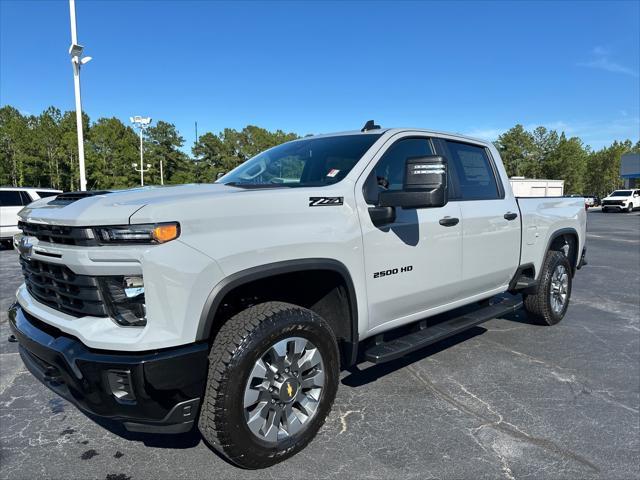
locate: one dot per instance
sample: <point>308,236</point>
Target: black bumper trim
<point>168,384</point>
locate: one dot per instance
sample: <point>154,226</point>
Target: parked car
<point>12,200</point>
<point>592,200</point>
<point>621,200</point>
<point>233,306</point>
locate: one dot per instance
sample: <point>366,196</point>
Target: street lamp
<point>142,123</point>
<point>75,51</point>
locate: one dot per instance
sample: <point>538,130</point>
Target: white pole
<point>161,174</point>
<point>141,160</point>
<point>76,85</point>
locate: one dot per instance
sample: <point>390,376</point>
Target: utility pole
<point>142,123</point>
<point>75,50</point>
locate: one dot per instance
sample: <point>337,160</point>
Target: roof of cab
<point>393,131</point>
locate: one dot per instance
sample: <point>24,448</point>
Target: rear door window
<point>476,178</point>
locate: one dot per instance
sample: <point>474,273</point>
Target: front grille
<point>612,202</point>
<point>58,287</point>
<point>59,234</point>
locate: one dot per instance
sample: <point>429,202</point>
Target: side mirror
<point>425,184</point>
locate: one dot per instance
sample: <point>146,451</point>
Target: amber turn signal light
<point>166,232</point>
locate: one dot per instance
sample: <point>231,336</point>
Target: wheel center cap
<point>288,390</point>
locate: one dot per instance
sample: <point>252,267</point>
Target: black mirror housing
<point>425,184</point>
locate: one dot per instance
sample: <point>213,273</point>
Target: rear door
<point>490,215</point>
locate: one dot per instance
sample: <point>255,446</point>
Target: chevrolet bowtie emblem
<point>289,390</point>
<point>25,247</point>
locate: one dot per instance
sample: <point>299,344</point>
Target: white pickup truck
<point>235,305</point>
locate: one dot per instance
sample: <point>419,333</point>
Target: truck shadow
<point>177,441</point>
<point>358,377</point>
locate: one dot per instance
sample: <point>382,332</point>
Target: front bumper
<point>167,384</point>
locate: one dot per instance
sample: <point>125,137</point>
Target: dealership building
<point>630,170</point>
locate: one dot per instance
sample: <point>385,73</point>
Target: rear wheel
<point>549,305</point>
<point>273,376</point>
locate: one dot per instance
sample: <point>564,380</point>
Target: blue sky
<point>312,67</point>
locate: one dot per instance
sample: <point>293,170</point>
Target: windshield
<point>621,193</point>
<point>302,163</point>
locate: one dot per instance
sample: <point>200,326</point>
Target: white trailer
<point>535,187</point>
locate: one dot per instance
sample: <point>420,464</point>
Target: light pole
<point>142,123</point>
<point>75,50</point>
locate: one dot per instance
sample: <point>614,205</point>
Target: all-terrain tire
<point>539,306</point>
<point>239,344</point>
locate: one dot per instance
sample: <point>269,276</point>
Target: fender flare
<point>231,282</point>
<point>558,233</point>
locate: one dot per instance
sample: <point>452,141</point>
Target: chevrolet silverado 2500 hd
<point>234,305</point>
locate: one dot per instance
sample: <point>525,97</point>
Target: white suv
<point>622,200</point>
<point>12,199</point>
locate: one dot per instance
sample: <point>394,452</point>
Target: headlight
<point>144,233</point>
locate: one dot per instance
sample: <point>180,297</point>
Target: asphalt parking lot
<point>506,400</point>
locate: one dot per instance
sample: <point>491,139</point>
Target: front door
<point>414,263</point>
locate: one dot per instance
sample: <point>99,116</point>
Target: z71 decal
<point>392,271</point>
<point>325,201</point>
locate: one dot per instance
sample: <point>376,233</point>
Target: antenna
<point>370,125</point>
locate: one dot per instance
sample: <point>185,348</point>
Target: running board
<point>424,336</point>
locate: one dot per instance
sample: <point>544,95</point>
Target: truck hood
<point>617,198</point>
<point>116,207</point>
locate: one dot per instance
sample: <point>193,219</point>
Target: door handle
<point>449,221</point>
<point>510,216</point>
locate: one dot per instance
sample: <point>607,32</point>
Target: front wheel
<point>549,305</point>
<point>630,208</point>
<point>273,376</point>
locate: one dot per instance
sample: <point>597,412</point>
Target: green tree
<point>112,151</point>
<point>567,160</point>
<point>517,149</point>
<point>13,133</point>
<point>163,144</point>
<point>603,168</point>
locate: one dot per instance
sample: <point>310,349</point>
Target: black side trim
<point>238,279</point>
<point>524,283</point>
